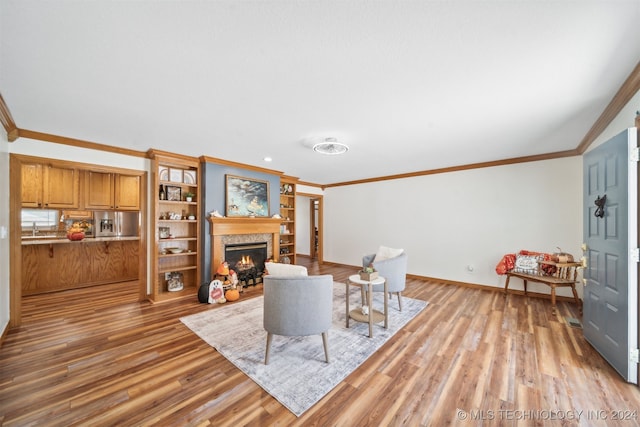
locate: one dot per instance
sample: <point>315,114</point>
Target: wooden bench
<point>565,277</point>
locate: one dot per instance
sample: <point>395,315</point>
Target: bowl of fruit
<point>75,232</point>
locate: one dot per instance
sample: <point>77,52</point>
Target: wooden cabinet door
<point>60,187</point>
<point>47,268</point>
<point>31,185</point>
<point>99,190</point>
<point>127,192</point>
<point>112,261</point>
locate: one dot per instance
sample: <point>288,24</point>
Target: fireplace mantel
<point>220,227</point>
<point>226,226</point>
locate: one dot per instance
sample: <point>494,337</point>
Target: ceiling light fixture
<point>330,146</point>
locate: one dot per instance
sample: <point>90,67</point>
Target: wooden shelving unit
<point>176,224</point>
<point>288,222</point>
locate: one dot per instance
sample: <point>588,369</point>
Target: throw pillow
<point>527,264</point>
<point>386,253</point>
<point>277,269</point>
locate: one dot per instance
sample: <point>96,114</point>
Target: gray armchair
<point>298,306</point>
<point>393,269</point>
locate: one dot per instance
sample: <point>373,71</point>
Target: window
<point>40,219</point>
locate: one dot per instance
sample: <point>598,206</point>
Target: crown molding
<point>7,121</point>
<point>207,159</point>
<point>629,88</point>
<point>525,159</point>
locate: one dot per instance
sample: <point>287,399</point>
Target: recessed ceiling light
<point>330,146</point>
<point>268,159</point>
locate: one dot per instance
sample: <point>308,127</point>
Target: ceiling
<point>408,85</point>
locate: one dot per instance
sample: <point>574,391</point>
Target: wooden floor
<point>472,357</point>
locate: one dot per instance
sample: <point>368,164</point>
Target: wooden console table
<point>565,276</point>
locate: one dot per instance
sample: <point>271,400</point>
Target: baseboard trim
<point>468,285</point>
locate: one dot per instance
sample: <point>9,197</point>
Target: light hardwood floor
<point>472,357</point>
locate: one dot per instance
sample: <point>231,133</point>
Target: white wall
<point>31,147</point>
<point>449,223</point>
<point>308,189</point>
<point>4,232</point>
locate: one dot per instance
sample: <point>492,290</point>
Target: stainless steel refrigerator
<point>116,224</point>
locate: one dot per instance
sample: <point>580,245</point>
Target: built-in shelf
<point>288,221</point>
<point>173,176</point>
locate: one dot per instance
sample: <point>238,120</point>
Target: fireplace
<point>233,231</point>
<point>247,260</point>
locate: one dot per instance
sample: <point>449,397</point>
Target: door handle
<point>584,247</point>
<point>584,282</point>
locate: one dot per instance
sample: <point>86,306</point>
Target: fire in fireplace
<point>247,259</point>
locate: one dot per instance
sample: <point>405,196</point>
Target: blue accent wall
<point>213,188</point>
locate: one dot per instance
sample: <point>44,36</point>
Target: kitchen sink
<point>42,236</point>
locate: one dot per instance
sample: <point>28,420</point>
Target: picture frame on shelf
<point>189,177</point>
<point>246,197</point>
<point>164,232</point>
<point>175,282</point>
<point>163,173</point>
<point>174,194</point>
<point>175,175</point>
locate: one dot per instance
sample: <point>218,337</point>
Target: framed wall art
<point>189,177</point>
<point>174,193</point>
<point>247,196</point>
<point>175,175</point>
<point>163,173</point>
<point>164,232</point>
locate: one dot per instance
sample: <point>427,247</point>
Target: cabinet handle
<point>50,250</point>
<point>106,247</point>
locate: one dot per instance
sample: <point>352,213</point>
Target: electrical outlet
<point>167,276</point>
<point>3,232</point>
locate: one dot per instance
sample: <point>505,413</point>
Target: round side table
<point>374,316</point>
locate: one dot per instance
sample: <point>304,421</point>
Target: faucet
<point>34,229</point>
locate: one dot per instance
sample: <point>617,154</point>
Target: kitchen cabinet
<point>48,186</point>
<point>288,222</point>
<point>175,256</point>
<point>108,190</point>
<point>70,265</point>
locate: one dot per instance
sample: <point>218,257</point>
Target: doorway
<point>309,226</point>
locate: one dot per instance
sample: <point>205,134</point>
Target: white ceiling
<point>408,85</point>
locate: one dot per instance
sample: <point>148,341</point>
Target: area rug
<point>297,374</point>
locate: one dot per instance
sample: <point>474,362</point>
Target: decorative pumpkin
<point>232,295</point>
<point>562,256</point>
<point>223,269</point>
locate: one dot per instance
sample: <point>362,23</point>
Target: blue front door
<point>610,234</point>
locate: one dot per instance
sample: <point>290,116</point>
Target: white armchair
<point>393,269</point>
<point>298,306</point>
